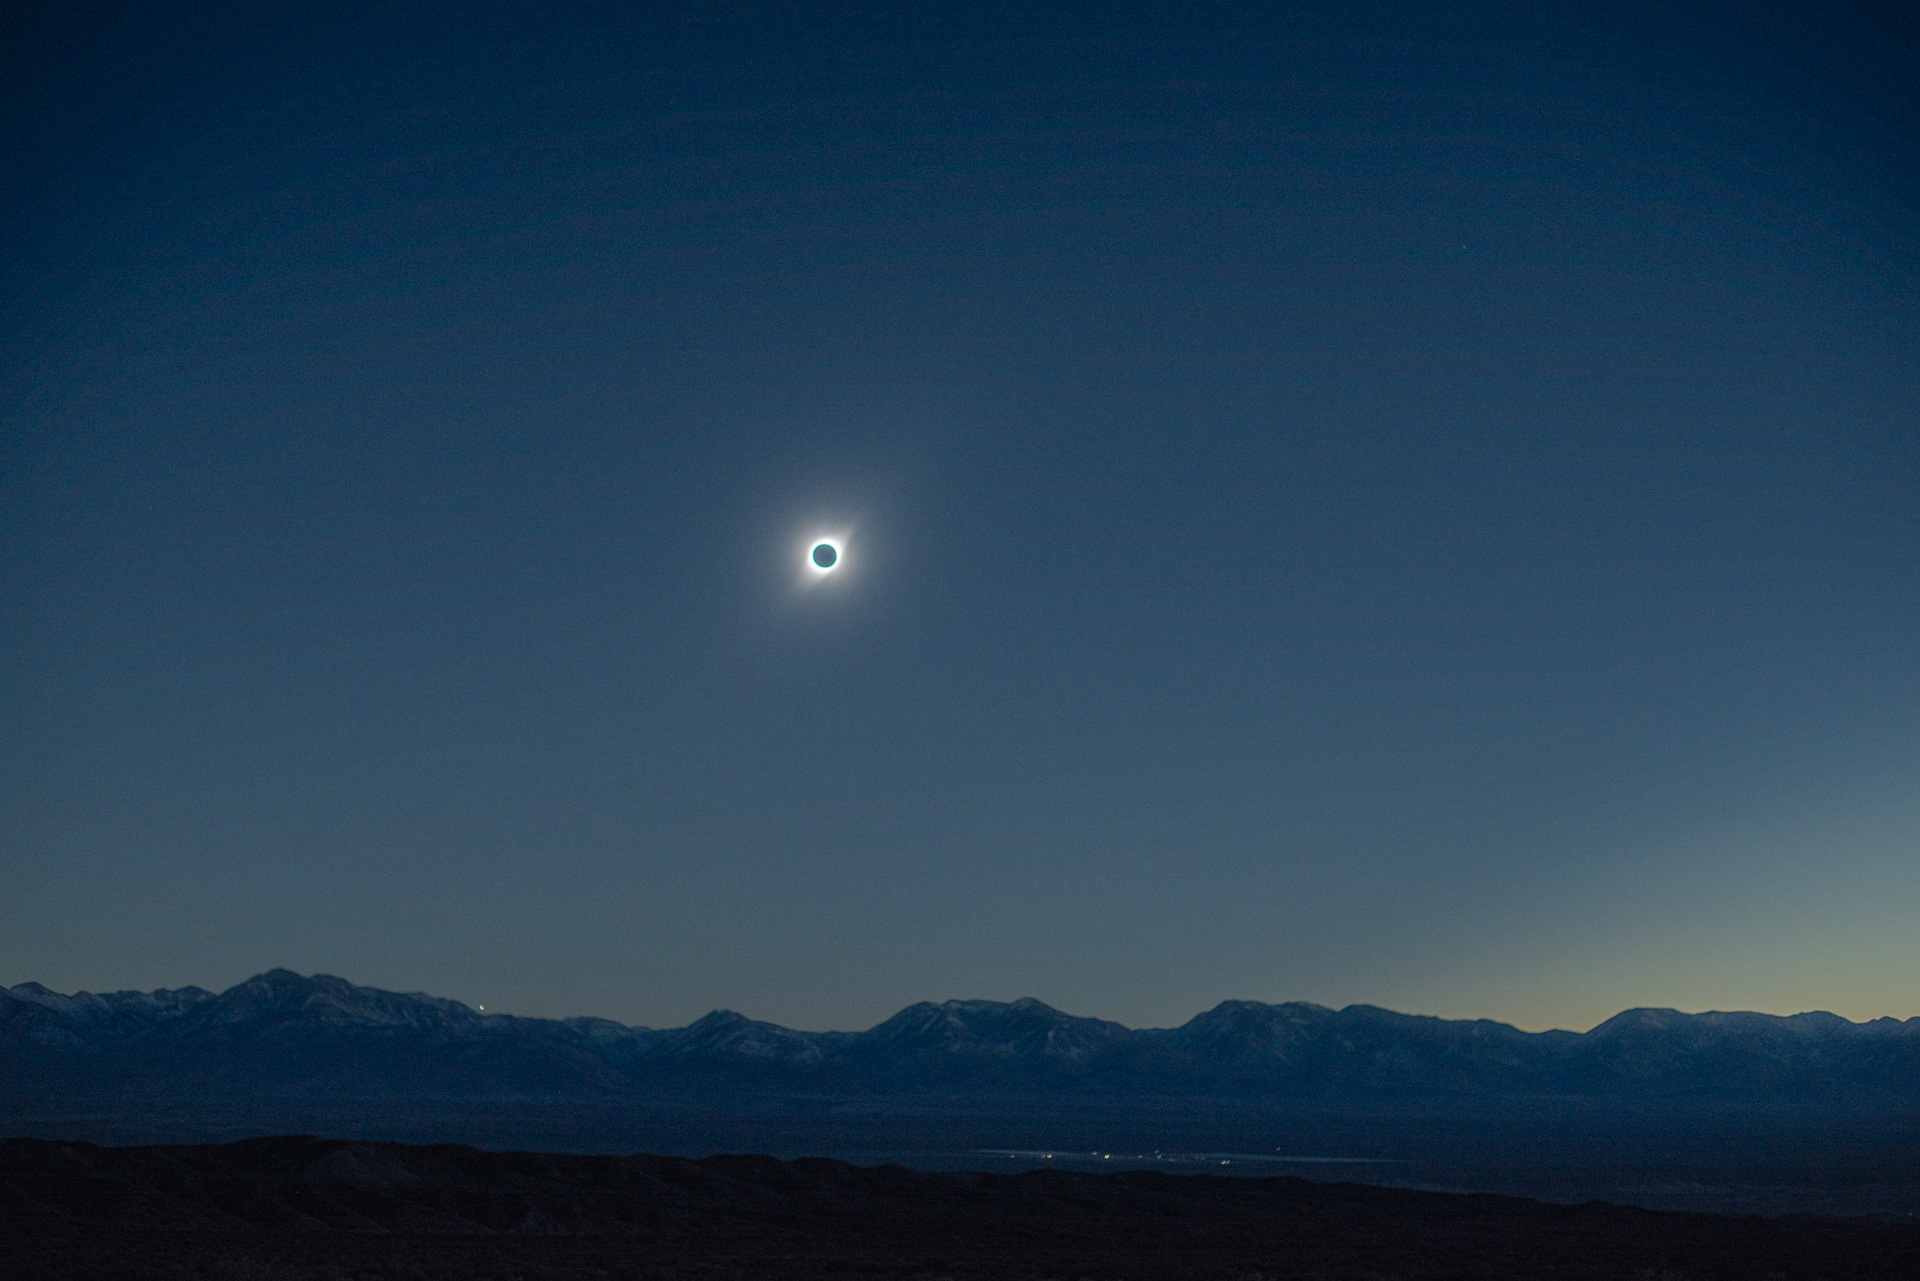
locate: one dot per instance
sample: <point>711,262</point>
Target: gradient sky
<point>1342,505</point>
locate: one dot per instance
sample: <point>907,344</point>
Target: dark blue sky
<point>1342,505</point>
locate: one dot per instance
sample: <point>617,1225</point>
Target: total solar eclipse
<point>824,555</point>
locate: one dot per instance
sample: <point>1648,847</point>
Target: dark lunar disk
<point>824,555</point>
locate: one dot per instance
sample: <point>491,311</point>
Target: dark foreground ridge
<point>307,1207</point>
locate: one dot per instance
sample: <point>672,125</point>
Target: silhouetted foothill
<point>305,1207</point>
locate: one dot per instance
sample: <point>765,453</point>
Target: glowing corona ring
<point>824,555</point>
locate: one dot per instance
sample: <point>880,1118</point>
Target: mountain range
<point>282,1033</point>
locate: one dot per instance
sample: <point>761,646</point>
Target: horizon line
<point>719,1010</point>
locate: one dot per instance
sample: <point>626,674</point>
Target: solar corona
<point>824,556</point>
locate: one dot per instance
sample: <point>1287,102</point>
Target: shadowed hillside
<point>303,1207</point>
